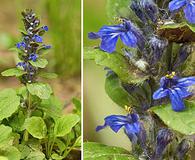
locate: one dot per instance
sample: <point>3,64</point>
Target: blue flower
<point>22,64</point>
<point>37,39</point>
<point>188,7</point>
<point>130,123</point>
<point>176,89</point>
<point>21,44</point>
<point>33,57</point>
<point>47,46</point>
<point>45,28</point>
<point>128,33</point>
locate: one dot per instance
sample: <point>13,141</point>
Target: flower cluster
<point>31,45</point>
<point>153,55</point>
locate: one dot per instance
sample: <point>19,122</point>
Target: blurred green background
<point>97,104</point>
<point>63,17</point>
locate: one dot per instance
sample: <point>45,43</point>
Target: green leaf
<point>48,75</point>
<point>115,62</point>
<point>65,124</point>
<point>9,103</point>
<point>36,155</point>
<point>40,63</point>
<point>56,156</point>
<point>36,127</point>
<point>17,121</point>
<point>117,93</point>
<point>24,150</point>
<point>41,90</point>
<point>96,151</point>
<point>182,122</point>
<point>77,104</point>
<point>61,145</point>
<point>118,8</point>
<point>3,158</point>
<point>52,107</point>
<point>78,142</point>
<point>10,152</point>
<point>13,72</point>
<point>5,133</point>
<point>178,32</point>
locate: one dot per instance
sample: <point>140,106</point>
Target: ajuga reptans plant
<point>32,124</point>
<point>149,56</point>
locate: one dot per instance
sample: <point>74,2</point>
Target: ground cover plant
<point>32,123</point>
<point>148,53</point>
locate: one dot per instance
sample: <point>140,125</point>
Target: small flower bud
<point>183,148</point>
<point>151,9</point>
<point>158,46</point>
<point>164,137</point>
<point>184,53</point>
<point>136,7</point>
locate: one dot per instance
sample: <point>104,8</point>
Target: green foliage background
<point>97,104</point>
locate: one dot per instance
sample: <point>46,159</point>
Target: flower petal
<point>186,82</point>
<point>183,93</point>
<point>93,35</point>
<point>176,100</point>
<point>115,122</point>
<point>160,93</point>
<point>132,128</point>
<point>176,4</point>
<point>129,39</point>
<point>190,12</point>
<point>108,43</point>
<point>110,30</point>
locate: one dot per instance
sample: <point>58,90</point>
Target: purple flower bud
<point>22,64</point>
<point>151,9</point>
<point>45,28</point>
<point>164,137</point>
<point>33,57</point>
<point>37,39</point>
<point>136,7</point>
<point>47,46</point>
<point>158,46</point>
<point>183,148</point>
<point>20,44</point>
<point>184,53</point>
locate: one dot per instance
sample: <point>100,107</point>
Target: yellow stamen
<point>128,109</point>
<point>170,76</point>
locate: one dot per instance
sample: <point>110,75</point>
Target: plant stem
<point>26,134</point>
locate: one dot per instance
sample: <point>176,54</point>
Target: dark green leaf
<point>96,151</point>
<point>182,122</point>
<point>13,72</point>
<point>117,93</point>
